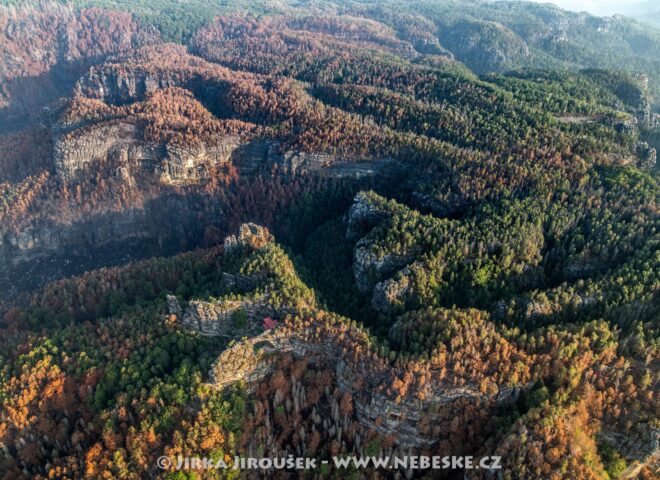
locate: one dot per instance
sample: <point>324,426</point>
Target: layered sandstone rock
<point>118,144</point>
<point>337,166</point>
<point>363,215</point>
<point>391,294</point>
<point>640,445</point>
<point>249,235</point>
<point>371,267</point>
<point>230,318</point>
<point>119,86</point>
<point>79,151</point>
<point>251,360</point>
<point>190,163</point>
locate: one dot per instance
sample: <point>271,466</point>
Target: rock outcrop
<point>120,144</point>
<point>646,156</point>
<point>391,294</point>
<point>76,152</point>
<point>84,147</point>
<point>229,318</point>
<point>249,235</point>
<point>363,215</point>
<point>251,360</point>
<point>249,298</point>
<point>640,445</point>
<point>336,166</point>
<point>118,86</point>
<point>191,163</point>
<point>371,267</point>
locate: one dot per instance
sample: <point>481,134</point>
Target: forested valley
<point>326,229</point>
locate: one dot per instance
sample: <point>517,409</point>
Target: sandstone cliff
<point>413,418</point>
<point>251,360</point>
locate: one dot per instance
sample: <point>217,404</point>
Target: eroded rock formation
<point>252,360</point>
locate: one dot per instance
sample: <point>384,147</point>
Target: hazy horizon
<point>605,7</point>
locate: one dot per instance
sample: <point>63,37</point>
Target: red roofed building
<point>269,323</point>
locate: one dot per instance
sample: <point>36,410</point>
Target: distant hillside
<point>486,36</point>
<point>651,17</point>
<point>646,11</point>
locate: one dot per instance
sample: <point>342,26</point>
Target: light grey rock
<point>173,306</point>
<point>363,215</point>
<point>228,318</point>
<point>390,295</point>
<point>251,360</point>
<point>79,151</point>
<point>371,267</point>
<point>249,235</point>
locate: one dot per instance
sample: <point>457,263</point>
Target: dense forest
<point>324,229</point>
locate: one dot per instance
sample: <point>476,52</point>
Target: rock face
<point>257,156</point>
<point>228,318</point>
<point>118,87</point>
<point>646,156</point>
<point>77,152</point>
<point>371,267</point>
<point>336,166</point>
<point>251,360</point>
<point>262,156</point>
<point>119,144</point>
<point>173,306</point>
<point>636,96</point>
<point>391,293</point>
<point>363,215</point>
<point>190,163</point>
<point>249,235</point>
<point>373,270</point>
<point>642,447</point>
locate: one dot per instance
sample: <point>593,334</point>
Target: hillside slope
<point>325,229</point>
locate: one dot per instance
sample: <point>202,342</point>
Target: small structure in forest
<point>269,323</point>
